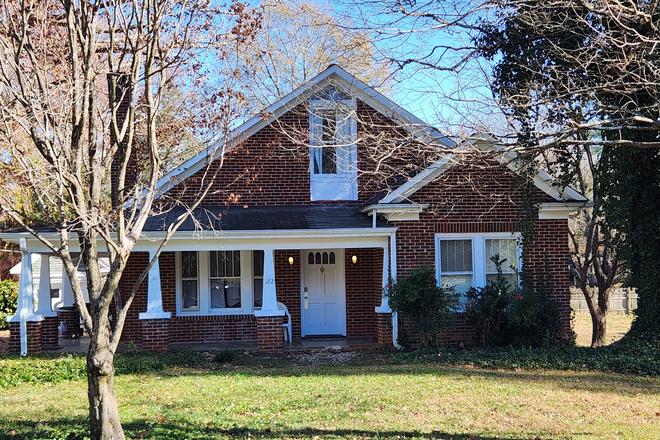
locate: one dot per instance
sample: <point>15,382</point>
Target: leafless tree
<point>298,40</point>
<point>82,86</point>
<point>595,266</point>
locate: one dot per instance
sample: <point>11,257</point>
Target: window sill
<point>225,312</point>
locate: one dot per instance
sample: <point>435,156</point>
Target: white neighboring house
<point>60,296</point>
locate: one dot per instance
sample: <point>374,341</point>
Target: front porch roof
<point>261,218</point>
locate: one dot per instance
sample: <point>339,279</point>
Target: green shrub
<point>503,314</point>
<point>425,307</point>
<point>487,308</point>
<point>534,315</point>
<point>8,301</point>
<point>625,357</point>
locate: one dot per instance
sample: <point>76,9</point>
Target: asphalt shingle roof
<point>256,218</point>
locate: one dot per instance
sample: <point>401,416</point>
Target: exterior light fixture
<point>354,259</point>
<point>291,261</point>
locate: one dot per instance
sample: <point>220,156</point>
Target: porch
<point>224,288</point>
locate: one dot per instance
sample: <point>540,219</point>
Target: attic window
<point>333,153</point>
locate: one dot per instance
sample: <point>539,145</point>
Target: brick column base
<point>384,323</point>
<point>49,331</point>
<point>270,336</point>
<point>33,337</point>
<point>155,334</point>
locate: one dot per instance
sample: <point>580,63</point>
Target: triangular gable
<point>542,179</point>
<point>333,75</point>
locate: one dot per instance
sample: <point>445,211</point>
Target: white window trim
<point>478,253</point>
<point>343,185</point>
<point>204,287</point>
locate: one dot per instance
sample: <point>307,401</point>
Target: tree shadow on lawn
<point>595,382</point>
<point>76,428</point>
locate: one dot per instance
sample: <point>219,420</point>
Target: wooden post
<point>628,300</point>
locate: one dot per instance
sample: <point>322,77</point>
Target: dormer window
<point>333,153</point>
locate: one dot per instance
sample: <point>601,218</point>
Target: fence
<point>622,301</point>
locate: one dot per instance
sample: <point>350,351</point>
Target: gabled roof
<point>333,75</point>
<point>542,180</point>
<point>337,77</point>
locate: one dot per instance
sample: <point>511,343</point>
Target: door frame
<point>341,275</point>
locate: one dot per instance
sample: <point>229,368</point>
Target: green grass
<point>331,402</point>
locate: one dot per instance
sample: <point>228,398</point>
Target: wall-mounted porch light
<point>354,259</point>
<point>291,261</point>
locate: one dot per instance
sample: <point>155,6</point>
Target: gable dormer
<point>332,146</point>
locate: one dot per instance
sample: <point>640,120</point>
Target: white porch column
<point>384,303</point>
<point>269,301</point>
<point>43,294</point>
<point>67,291</point>
<point>25,307</point>
<point>154,294</point>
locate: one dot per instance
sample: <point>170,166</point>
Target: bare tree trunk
<point>103,406</point>
<point>599,326</point>
<point>599,316</point>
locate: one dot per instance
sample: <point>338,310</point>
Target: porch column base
<point>155,334</point>
<point>49,331</point>
<point>270,336</point>
<point>384,324</point>
<point>33,337</point>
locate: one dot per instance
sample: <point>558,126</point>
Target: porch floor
<point>81,345</point>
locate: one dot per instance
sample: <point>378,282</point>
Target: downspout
<point>395,318</point>
<point>25,292</point>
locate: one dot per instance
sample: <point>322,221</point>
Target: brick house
<point>319,200</point>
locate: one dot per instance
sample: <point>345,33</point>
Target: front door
<point>323,296</point>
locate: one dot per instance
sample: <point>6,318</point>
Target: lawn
<point>617,327</point>
<point>348,401</point>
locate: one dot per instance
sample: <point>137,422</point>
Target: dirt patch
<point>334,355</point>
<point>4,342</point>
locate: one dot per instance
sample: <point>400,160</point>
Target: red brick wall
<point>272,168</point>
<point>219,328</point>
<point>550,252</point>
<point>287,279</point>
<point>33,329</point>
<point>49,335</point>
<point>137,262</point>
<point>270,336</point>
<point>384,322</point>
<point>363,291</point>
<point>482,200</point>
<point>155,335</point>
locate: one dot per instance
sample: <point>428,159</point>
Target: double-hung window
<point>189,281</point>
<point>333,153</point>
<point>219,281</point>
<point>225,279</point>
<point>507,249</point>
<point>465,261</point>
<point>456,264</point>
